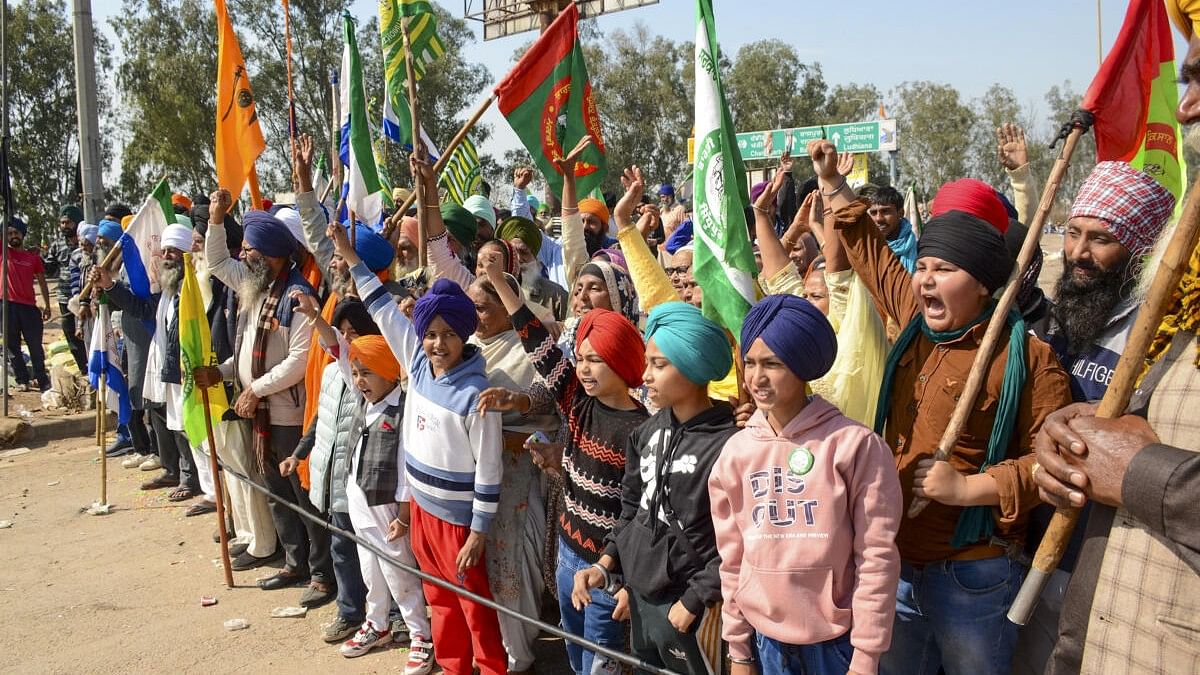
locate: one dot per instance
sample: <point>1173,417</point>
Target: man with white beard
<point>527,240</point>
<point>267,369</point>
<point>163,388</point>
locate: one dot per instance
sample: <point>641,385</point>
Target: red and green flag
<point>1134,96</point>
<point>547,100</point>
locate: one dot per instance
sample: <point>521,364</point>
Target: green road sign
<point>856,137</point>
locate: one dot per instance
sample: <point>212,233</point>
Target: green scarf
<point>976,522</point>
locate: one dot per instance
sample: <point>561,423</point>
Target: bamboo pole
<point>223,534</point>
<point>1120,389</point>
<point>108,260</point>
<point>101,433</point>
<point>287,35</point>
<point>991,337</point>
<point>417,145</point>
<point>449,149</point>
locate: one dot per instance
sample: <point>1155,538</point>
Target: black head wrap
<point>970,243</point>
<point>233,230</point>
<point>354,311</point>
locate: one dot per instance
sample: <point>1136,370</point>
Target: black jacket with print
<point>685,454</point>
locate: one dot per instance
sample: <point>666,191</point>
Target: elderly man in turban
<point>548,250</point>
<point>163,389</point>
<point>1135,590</point>
<point>268,368</point>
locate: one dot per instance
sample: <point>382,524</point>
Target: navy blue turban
<point>267,234</point>
<point>447,300</point>
<point>796,331</point>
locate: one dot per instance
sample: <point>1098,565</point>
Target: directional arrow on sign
<point>837,140</point>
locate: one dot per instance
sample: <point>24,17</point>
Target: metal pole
<point>893,171</point>
<point>85,103</point>
<point>7,190</point>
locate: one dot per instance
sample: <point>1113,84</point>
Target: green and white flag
<point>461,175</point>
<point>418,16</point>
<point>723,263</point>
<point>364,196</point>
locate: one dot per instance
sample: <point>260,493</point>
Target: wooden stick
<point>991,338</point>
<point>418,184</point>
<point>287,36</point>
<point>101,432</point>
<point>449,149</point>
<point>1120,389</point>
<point>223,534</point>
<point>335,159</point>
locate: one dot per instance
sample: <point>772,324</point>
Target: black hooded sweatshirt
<point>648,551</point>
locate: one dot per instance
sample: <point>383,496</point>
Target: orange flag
<point>239,136</point>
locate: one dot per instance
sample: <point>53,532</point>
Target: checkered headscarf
<point>1134,205</point>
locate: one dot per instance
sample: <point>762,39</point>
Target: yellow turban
<point>1185,14</point>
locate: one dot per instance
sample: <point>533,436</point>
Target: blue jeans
<point>831,657</point>
<point>952,615</point>
<point>351,591</point>
<point>594,623</point>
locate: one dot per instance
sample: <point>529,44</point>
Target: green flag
<point>547,100</point>
<point>723,263</point>
<point>195,349</point>
<point>426,47</point>
<point>363,196</point>
<point>461,175</point>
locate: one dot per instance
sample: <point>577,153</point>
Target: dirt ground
<point>121,593</point>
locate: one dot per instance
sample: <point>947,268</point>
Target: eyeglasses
<point>682,269</point>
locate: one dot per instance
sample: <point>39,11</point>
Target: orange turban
<point>595,207</point>
<point>373,352</point>
<point>408,227</point>
<point>181,200</point>
<point>617,341</point>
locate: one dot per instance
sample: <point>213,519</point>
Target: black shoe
<point>245,561</point>
<point>282,579</point>
<point>119,448</point>
<point>314,597</point>
<point>236,550</point>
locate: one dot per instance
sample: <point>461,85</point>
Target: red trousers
<point>462,628</point>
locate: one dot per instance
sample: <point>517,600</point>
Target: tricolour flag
<point>140,242</point>
<point>1134,97</point>
<point>724,264</point>
<point>239,135</point>
<point>398,128</point>
<point>195,349</point>
<point>462,174</point>
<point>421,21</point>
<point>547,100</point>
<point>363,196</point>
<point>103,357</point>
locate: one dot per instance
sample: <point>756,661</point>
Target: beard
<point>1191,135</point>
<point>530,273</point>
<point>258,279</point>
<point>594,242</point>
<point>1082,308</point>
<point>341,283</point>
<point>170,276</point>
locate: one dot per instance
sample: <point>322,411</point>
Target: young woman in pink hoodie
<point>805,504</point>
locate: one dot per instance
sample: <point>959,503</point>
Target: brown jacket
<point>928,383</point>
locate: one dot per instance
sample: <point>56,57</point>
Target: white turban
<point>291,218</point>
<point>177,236</point>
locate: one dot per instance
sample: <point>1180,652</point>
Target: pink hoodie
<point>806,525</point>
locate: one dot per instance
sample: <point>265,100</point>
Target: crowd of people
<point>542,409</point>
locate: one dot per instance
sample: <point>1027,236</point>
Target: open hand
<point>306,304</point>
<point>566,165</point>
<point>341,243</point>
<point>635,185</point>
<point>586,579</point>
<point>845,164</point>
<point>303,164</point>
<point>1010,142</point>
<point>498,399</point>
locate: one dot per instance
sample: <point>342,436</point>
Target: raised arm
<point>649,279</point>
<point>313,219</point>
<point>216,252</point>
<point>774,255</point>
<point>574,247</point>
<point>1014,156</point>
<point>519,205</point>
<point>395,327</point>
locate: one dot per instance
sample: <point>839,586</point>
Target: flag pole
<point>219,489</point>
<point>287,35</point>
<point>335,161</point>
<point>101,420</point>
<point>255,191</point>
<point>1078,125</point>
<point>108,260</point>
<point>449,149</point>
<point>418,184</point>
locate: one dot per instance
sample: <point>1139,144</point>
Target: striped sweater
<point>594,456</point>
<point>452,453</point>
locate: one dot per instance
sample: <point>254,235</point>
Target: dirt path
<point>120,593</point>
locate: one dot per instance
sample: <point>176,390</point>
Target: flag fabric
<point>141,241</point>
<point>363,196</point>
<point>239,135</point>
<point>723,262</point>
<point>462,173</point>
<point>103,357</point>
<point>547,100</point>
<point>195,349</point>
<point>418,16</point>
<point>1134,96</point>
<point>912,209</point>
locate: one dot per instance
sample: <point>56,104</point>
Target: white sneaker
<point>420,657</point>
<point>151,464</point>
<point>134,460</point>
<point>366,639</point>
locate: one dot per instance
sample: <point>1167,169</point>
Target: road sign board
<point>856,137</point>
<point>863,136</point>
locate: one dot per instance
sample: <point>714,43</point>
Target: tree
<point>44,156</point>
<point>997,106</point>
<point>768,87</point>
<point>857,103</point>
<point>936,128</point>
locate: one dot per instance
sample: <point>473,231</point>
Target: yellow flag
<point>239,136</point>
<point>195,349</point>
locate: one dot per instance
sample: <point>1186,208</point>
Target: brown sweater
<point>928,383</point>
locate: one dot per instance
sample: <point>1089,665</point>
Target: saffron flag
<point>239,136</point>
<point>195,349</point>
<point>724,264</point>
<point>103,358</point>
<point>1134,97</point>
<point>461,175</point>
<point>547,100</point>
<point>140,241</point>
<point>362,178</point>
<point>421,21</point>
